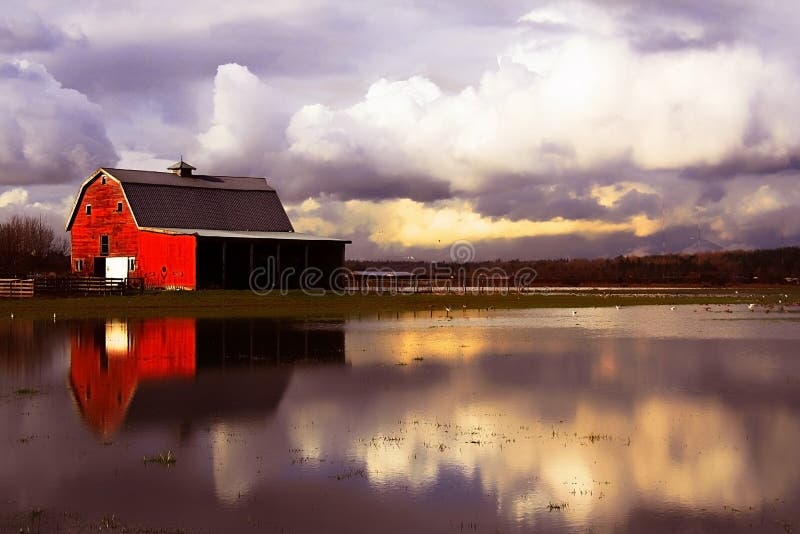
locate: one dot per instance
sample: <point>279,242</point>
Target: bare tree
<point>27,244</point>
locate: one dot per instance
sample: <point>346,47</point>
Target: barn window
<point>88,209</point>
<point>104,246</point>
<point>119,207</point>
<point>131,264</point>
<point>79,265</point>
<point>103,180</point>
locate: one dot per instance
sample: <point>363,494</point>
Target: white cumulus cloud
<point>561,105</point>
<point>246,124</point>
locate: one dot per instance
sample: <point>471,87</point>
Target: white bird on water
<point>617,306</point>
<point>672,308</point>
<point>12,315</point>
<point>574,313</point>
<point>751,307</point>
<point>447,311</point>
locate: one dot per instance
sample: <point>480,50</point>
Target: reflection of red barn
<point>107,364</point>
<point>180,230</point>
<point>178,371</point>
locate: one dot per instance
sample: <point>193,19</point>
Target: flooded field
<point>633,419</point>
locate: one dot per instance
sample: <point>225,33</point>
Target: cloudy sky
<point>529,128</point>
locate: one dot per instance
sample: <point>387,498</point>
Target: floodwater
<point>637,419</point>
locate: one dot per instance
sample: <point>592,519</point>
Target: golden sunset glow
<point>406,223</point>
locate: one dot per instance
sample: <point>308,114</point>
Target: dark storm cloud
<point>635,203</point>
<point>48,134</point>
<point>711,193</point>
<point>477,12</point>
<point>660,40</point>
<point>538,202</point>
<point>744,164</point>
<point>25,31</point>
<point>268,48</point>
<point>650,25</point>
<point>299,180</point>
<point>566,194</point>
<point>543,202</point>
<point>164,69</point>
<point>775,228</point>
<point>645,27</point>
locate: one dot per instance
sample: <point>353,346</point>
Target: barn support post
<point>278,277</point>
<point>250,322</point>
<point>224,253</point>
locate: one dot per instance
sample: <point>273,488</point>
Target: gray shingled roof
<point>166,200</point>
<point>196,180</point>
<point>167,206</point>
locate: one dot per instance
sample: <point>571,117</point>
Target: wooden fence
<point>87,286</point>
<point>16,288</point>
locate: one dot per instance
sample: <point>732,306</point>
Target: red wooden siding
<point>104,220</point>
<point>162,260</point>
<point>167,260</point>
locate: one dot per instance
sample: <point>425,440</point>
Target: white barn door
<point>117,267</point>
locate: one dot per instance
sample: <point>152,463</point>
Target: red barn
<point>179,230</point>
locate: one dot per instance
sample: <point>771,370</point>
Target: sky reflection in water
<point>634,418</point>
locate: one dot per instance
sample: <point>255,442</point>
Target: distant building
<point>181,230</point>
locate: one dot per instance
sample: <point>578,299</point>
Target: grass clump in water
<point>26,391</point>
<point>597,437</point>
<point>166,458</point>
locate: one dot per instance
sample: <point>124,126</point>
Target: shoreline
<point>295,304</point>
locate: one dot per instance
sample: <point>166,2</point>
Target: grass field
<point>295,304</point>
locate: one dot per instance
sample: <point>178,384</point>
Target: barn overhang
<point>228,234</point>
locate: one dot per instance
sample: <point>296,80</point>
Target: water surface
<point>641,418</point>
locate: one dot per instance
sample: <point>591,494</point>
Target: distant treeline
<point>29,246</point>
<point>774,266</point>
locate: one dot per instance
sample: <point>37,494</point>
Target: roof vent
<point>181,168</point>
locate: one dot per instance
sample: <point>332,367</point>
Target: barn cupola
<point>181,168</point>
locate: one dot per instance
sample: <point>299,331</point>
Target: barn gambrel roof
<point>166,200</point>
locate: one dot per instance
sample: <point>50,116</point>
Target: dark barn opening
<point>231,263</point>
<point>100,266</point>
